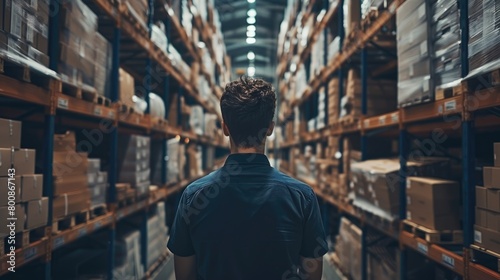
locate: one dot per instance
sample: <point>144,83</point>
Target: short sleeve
<point>180,242</point>
<point>314,240</point>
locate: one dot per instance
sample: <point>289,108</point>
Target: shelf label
<point>97,225</point>
<point>478,236</point>
<point>111,114</point>
<point>448,260</point>
<point>58,242</point>
<point>367,123</point>
<point>97,111</point>
<point>82,232</point>
<point>30,253</point>
<point>62,103</point>
<point>423,248</point>
<point>395,118</point>
<point>450,105</point>
<point>381,120</point>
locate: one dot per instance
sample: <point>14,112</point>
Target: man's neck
<point>247,150</point>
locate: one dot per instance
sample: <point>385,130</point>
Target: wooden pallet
<point>433,236</point>
<point>70,221</point>
<point>129,199</point>
<point>133,20</point>
<point>485,257</point>
<point>98,210</point>
<point>25,73</point>
<point>447,92</point>
<point>24,239</point>
<point>84,92</point>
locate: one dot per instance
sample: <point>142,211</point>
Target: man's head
<point>248,107</point>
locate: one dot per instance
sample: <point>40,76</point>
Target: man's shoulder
<point>201,183</point>
<point>293,183</point>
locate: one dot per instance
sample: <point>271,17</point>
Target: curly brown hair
<point>248,107</point>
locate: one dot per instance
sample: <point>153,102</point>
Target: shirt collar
<point>254,159</point>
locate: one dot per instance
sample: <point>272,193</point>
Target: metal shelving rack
<point>66,111</point>
<point>400,124</point>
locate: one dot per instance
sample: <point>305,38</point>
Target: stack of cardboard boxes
<point>348,248</point>
<point>333,101</point>
<point>376,183</point>
<point>157,234</point>
<point>85,59</point>
<point>381,96</point>
<point>487,228</point>
<point>98,183</point>
<point>433,203</point>
<point>71,187</point>
<point>21,189</point>
<point>134,162</point>
<point>415,83</point>
<point>24,30</point>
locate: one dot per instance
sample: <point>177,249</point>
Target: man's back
<point>248,221</point>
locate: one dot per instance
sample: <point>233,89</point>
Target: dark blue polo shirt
<point>248,221</point>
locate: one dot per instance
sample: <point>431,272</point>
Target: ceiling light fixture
<point>251,41</point>
<point>252,13</point>
<point>251,55</point>
<point>251,1</point>
<point>251,20</point>
<point>251,28</point>
<point>250,33</point>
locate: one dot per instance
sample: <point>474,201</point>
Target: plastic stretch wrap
<point>484,34</point>
<point>24,35</point>
<point>414,54</point>
<point>158,37</point>
<point>178,62</point>
<point>445,30</point>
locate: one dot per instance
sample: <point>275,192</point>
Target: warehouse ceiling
<point>235,17</point>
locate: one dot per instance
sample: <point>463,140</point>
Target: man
<point>247,220</point>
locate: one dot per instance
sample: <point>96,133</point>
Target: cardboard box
<point>5,188</point>
<point>496,154</point>
<point>487,238</point>
<point>65,142</point>
<point>493,200</point>
<point>491,177</point>
<point>127,87</point>
<point>24,161</point>
<point>5,161</point>
<point>31,187</point>
<point>481,201</point>
<point>73,183</point>
<point>433,203</point>
<point>11,133</point>
<point>94,165</point>
<point>37,212</point>
<point>70,203</point>
<point>481,217</point>
<point>493,221</point>
<point>70,163</point>
<point>102,177</point>
<point>20,215</point>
